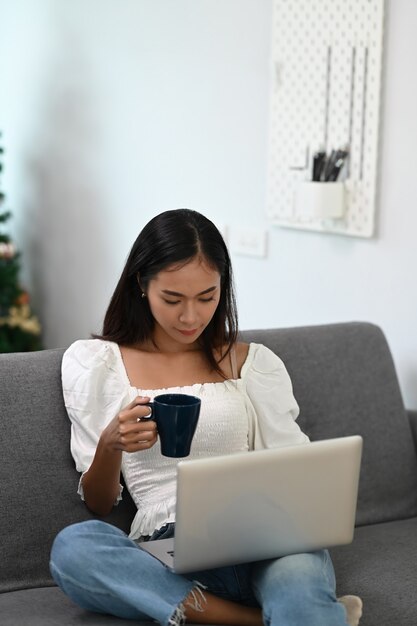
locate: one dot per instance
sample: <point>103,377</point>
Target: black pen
<point>330,161</point>
<point>318,163</point>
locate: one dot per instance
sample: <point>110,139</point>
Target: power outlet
<point>248,241</point>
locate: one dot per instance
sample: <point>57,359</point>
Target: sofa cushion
<point>37,474</point>
<point>380,566</point>
<point>345,383</point>
<point>48,606</point>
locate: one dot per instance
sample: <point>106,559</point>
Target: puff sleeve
<point>270,394</point>
<point>94,392</point>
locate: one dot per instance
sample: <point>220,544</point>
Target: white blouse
<point>256,411</point>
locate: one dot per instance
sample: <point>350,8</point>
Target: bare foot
<point>353,606</point>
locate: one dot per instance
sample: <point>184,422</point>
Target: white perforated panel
<point>326,84</point>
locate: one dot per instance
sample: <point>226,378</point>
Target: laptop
<point>262,504</point>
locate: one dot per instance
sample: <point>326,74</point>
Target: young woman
<point>172,325</point>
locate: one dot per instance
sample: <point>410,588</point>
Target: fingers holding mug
<point>145,435</point>
<point>139,409</point>
<point>139,435</point>
<point>136,430</point>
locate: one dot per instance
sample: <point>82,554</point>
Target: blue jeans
<point>102,570</point>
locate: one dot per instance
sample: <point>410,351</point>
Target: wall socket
<point>248,241</point>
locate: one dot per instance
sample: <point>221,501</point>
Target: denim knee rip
<point>196,601</point>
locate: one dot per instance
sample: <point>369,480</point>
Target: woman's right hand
<point>128,431</point>
<point>125,433</point>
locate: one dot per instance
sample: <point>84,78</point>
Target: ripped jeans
<point>104,571</point>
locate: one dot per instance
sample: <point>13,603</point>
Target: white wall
<point>115,110</point>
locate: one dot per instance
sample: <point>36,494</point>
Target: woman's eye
<point>211,299</point>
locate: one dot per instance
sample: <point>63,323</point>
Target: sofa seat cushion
<point>380,566</point>
<point>48,606</point>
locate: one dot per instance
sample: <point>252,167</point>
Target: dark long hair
<point>171,237</point>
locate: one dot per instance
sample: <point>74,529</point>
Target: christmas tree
<point>20,330</point>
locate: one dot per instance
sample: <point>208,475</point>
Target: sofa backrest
<point>38,481</point>
<point>345,383</point>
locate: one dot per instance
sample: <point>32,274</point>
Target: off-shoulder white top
<point>257,410</point>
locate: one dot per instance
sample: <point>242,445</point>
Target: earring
<point>143,295</point>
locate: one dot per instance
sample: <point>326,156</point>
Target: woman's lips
<point>188,333</point>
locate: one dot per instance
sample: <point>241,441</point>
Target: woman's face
<point>183,300</point>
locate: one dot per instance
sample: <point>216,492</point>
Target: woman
<point>172,325</point>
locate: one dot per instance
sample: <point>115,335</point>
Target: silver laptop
<point>264,504</point>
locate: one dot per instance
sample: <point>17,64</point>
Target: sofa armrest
<point>412,416</point>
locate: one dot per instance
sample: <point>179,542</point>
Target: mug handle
<point>147,417</point>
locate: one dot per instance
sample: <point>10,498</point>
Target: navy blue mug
<point>176,416</point>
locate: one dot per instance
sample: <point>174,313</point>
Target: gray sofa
<point>345,382</point>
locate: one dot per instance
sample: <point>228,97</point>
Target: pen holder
<point>320,200</point>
